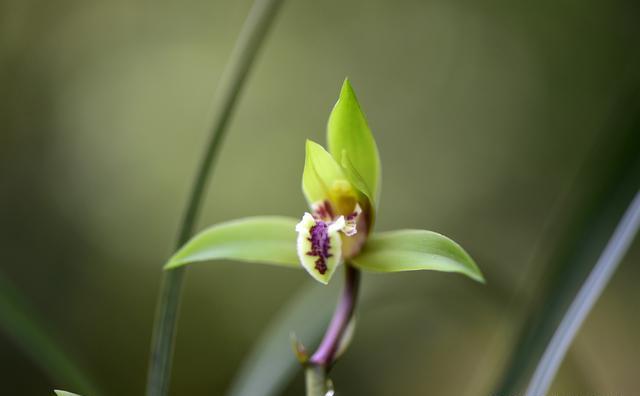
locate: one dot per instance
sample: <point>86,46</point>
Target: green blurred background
<point>484,112</point>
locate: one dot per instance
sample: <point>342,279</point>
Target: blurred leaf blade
<point>612,169</point>
<point>64,393</point>
<point>586,298</point>
<point>260,239</point>
<point>21,323</point>
<point>270,365</point>
<point>412,250</point>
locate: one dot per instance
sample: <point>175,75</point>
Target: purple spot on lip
<point>320,245</point>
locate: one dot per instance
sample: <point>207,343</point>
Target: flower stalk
<point>316,380</point>
<point>326,352</point>
<point>321,361</point>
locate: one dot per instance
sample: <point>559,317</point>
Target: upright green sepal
<point>411,250</point>
<point>347,130</point>
<point>261,239</point>
<point>357,180</point>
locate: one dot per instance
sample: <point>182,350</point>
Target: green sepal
<point>410,250</point>
<point>264,239</point>
<point>356,178</point>
<point>320,173</point>
<point>347,130</point>
<point>367,200</point>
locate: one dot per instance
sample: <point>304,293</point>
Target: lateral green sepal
<point>411,250</point>
<point>262,239</point>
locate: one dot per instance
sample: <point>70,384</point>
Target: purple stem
<point>344,311</point>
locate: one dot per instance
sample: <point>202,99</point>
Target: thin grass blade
<point>584,301</point>
<point>245,50</point>
<point>604,186</point>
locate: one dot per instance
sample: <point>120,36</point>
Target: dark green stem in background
<point>321,361</point>
<point>251,38</point>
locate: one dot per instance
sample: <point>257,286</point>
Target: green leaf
<point>321,171</point>
<point>270,365</point>
<point>64,393</point>
<point>602,189</point>
<point>410,250</point>
<point>347,130</point>
<point>28,331</point>
<point>267,239</point>
<point>592,288</point>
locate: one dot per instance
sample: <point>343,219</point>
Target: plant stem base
<point>316,379</point>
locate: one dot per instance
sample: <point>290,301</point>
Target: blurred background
<point>504,125</point>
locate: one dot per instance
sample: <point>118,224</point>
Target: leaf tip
<point>478,277</point>
<point>472,270</point>
<point>172,264</point>
<point>475,272</point>
<point>347,89</point>
<point>59,392</point>
<point>310,145</point>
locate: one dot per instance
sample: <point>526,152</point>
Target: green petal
<point>268,240</point>
<point>356,179</point>
<point>321,171</point>
<point>410,250</point>
<point>348,131</point>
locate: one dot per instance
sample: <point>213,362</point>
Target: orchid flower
<point>341,186</point>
